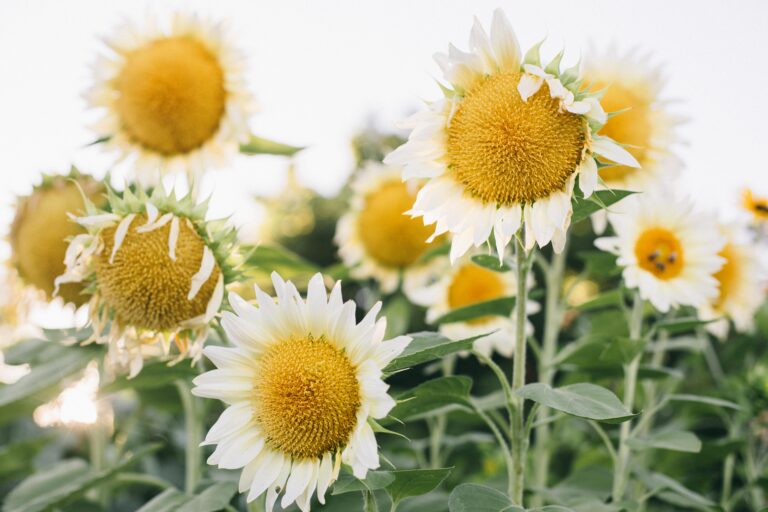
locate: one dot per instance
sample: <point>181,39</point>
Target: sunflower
<point>504,145</point>
<point>375,237</point>
<point>445,287</point>
<point>668,250</point>
<point>741,284</point>
<point>156,271</point>
<point>174,98</point>
<point>42,226</point>
<point>302,382</point>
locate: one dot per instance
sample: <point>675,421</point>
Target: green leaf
<point>261,146</point>
<point>681,325</point>
<point>17,459</point>
<point>397,311</point>
<point>167,501</point>
<point>599,263</point>
<point>657,482</point>
<point>584,207</point>
<point>156,374</point>
<point>680,441</point>
<point>604,300</point>
<point>374,481</point>
<point>432,395</point>
<point>415,482</point>
<point>490,262</point>
<point>480,498</point>
<point>583,400</point>
<point>494,307</point>
<point>707,400</point>
<point>428,346</point>
<point>214,498</point>
<point>621,350</point>
<point>276,258</point>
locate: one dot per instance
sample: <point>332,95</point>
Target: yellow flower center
<point>758,206</point>
<point>389,236</point>
<point>472,284</point>
<point>306,397</point>
<point>659,252</point>
<point>632,127</point>
<point>171,95</point>
<point>39,233</point>
<point>507,151</point>
<point>144,286</point>
<point>729,276</point>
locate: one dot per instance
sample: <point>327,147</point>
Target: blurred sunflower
<point>175,98</point>
<point>302,382</point>
<point>505,144</point>
<point>668,251</point>
<point>755,205</point>
<point>41,227</point>
<point>376,237</point>
<point>156,271</point>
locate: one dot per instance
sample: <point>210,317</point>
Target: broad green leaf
<point>583,400</point>
<point>584,207</point>
<point>415,482</point>
<point>480,498</point>
<point>374,481</point>
<point>657,482</point>
<point>432,395</point>
<point>261,146</point>
<point>621,350</point>
<point>490,262</point>
<point>167,501</point>
<point>17,459</point>
<point>428,346</point>
<point>153,375</point>
<point>607,299</point>
<point>397,311</point>
<point>680,441</point>
<point>707,400</point>
<point>589,483</point>
<point>274,257</point>
<point>681,325</point>
<point>212,499</point>
<point>494,307</point>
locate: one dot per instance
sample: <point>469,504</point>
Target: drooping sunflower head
<point>42,225</point>
<point>302,382</point>
<point>377,236</point>
<point>668,250</point>
<point>639,117</point>
<point>175,97</point>
<point>505,144</point>
<point>155,268</point>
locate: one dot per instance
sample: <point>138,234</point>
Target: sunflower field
<point>510,305</point>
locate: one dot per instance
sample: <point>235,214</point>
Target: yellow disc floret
<point>659,252</point>
<point>472,284</point>
<point>306,397</point>
<point>508,151</point>
<point>390,236</point>
<point>144,286</point>
<point>729,276</point>
<point>40,231</point>
<point>171,95</point>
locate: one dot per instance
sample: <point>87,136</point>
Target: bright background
<point>322,70</point>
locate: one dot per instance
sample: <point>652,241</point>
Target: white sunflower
<point>376,238</point>
<point>156,271</point>
<point>741,284</point>
<point>173,99</point>
<point>633,88</point>
<point>668,250</point>
<point>445,287</point>
<point>302,382</point>
<point>504,145</point>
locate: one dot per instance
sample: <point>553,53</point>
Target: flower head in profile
<point>375,237</point>
<point>445,287</point>
<point>668,250</point>
<point>173,98</point>
<point>156,271</point>
<point>741,284</point>
<point>504,145</point>
<point>301,384</point>
<point>42,226</point>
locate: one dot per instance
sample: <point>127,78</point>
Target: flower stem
<point>97,438</point>
<point>621,472</point>
<point>553,314</point>
<point>437,432</point>
<point>519,439</point>
<point>193,425</point>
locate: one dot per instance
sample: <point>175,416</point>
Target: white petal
<point>173,237</point>
<point>504,42</point>
<point>614,152</point>
<point>207,265</point>
<point>588,175</point>
<point>120,232</point>
<point>528,85</point>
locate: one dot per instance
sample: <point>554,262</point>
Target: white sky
<point>320,69</point>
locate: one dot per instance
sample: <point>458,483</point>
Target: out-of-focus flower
<point>504,145</point>
<point>77,405</point>
<point>669,252</point>
<point>376,238</point>
<point>755,205</point>
<point>301,383</point>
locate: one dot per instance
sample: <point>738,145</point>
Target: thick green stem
<point>193,425</point>
<point>621,471</point>
<point>97,440</point>
<point>519,439</point>
<point>437,432</point>
<point>553,314</point>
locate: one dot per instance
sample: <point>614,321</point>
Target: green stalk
<point>193,425</point>
<point>97,440</point>
<point>437,432</point>
<point>621,470</point>
<point>519,439</point>
<point>553,314</point>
